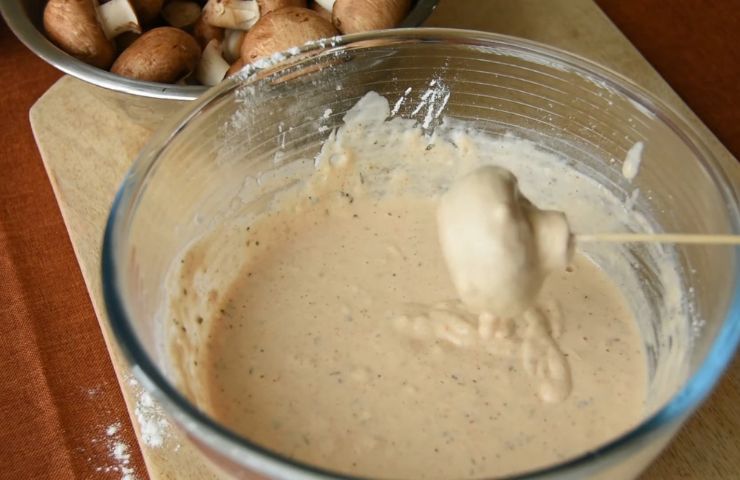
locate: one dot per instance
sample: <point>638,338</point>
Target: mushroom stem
<point>232,44</point>
<point>212,67</point>
<point>116,17</point>
<point>326,4</point>
<point>235,14</point>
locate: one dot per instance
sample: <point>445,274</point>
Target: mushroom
<point>235,67</point>
<point>235,14</point>
<point>204,32</point>
<point>86,31</point>
<point>212,67</point>
<point>353,16</point>
<point>116,17</point>
<point>181,13</point>
<point>147,10</point>
<point>232,44</point>
<point>323,8</point>
<point>242,14</point>
<point>163,54</point>
<point>282,29</point>
<point>267,6</point>
<point>124,40</point>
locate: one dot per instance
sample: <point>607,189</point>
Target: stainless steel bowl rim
<point>20,23</point>
<point>268,462</point>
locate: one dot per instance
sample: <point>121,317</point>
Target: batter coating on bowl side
<point>339,340</point>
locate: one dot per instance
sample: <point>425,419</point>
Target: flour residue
<point>119,454</point>
<point>631,201</point>
<point>631,165</point>
<point>154,427</point>
<point>401,100</point>
<point>432,102</point>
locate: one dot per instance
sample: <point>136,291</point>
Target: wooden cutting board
<point>88,137</point>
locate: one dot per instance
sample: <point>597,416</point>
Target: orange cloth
<point>693,45</point>
<point>58,392</point>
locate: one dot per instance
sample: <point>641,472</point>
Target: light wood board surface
<point>88,137</point>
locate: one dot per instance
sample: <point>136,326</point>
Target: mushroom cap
<point>181,13</point>
<point>355,16</point>
<point>204,32</point>
<point>73,26</point>
<point>235,67</point>
<point>147,10</point>
<point>325,14</point>
<point>163,54</point>
<point>267,6</point>
<point>282,29</point>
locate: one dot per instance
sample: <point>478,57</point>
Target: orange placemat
<point>58,395</point>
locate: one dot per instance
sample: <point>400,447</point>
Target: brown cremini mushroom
<point>353,16</point>
<point>181,13</point>
<point>147,10</point>
<point>235,67</point>
<point>282,29</point>
<point>204,32</point>
<point>234,14</point>
<point>243,14</point>
<point>323,8</point>
<point>267,6</point>
<point>163,54</point>
<point>86,31</point>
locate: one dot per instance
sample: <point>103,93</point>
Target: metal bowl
<point>24,17</point>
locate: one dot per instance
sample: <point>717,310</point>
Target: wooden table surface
<point>58,386</point>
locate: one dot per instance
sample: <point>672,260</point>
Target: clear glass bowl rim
<point>233,446</point>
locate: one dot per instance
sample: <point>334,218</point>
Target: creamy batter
<point>352,354</point>
<point>326,326</point>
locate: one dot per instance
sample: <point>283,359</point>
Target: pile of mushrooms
<point>194,42</point>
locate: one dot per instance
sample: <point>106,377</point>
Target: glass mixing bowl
<point>216,154</point>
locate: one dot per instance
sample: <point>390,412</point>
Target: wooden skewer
<point>699,239</point>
